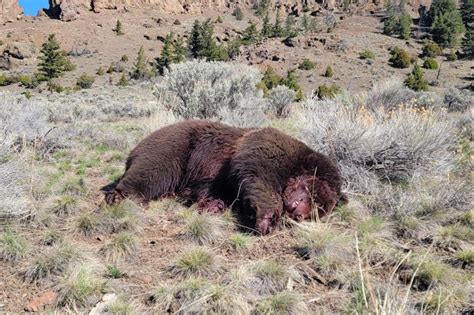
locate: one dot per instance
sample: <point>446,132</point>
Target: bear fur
<point>261,173</point>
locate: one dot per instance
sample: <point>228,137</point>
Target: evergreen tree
<point>447,29</point>
<point>306,23</point>
<point>292,82</point>
<point>467,12</point>
<point>239,15</point>
<point>440,7</point>
<point>391,20</point>
<point>250,34</point>
<point>404,25</point>
<point>52,60</point>
<point>210,49</point>
<point>166,57</point>
<point>261,8</point>
<point>290,29</point>
<point>118,28</point>
<point>196,41</point>
<point>179,50</point>
<point>277,28</point>
<point>270,78</point>
<point>140,70</point>
<point>266,28</point>
<point>416,80</point>
<point>123,80</point>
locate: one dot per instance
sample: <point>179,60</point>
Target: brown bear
<point>261,173</point>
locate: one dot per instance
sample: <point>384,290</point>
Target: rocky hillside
<point>68,10</point>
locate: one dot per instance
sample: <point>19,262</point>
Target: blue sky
<point>31,7</point>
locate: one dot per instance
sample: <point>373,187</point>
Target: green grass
<point>282,303</point>
<point>466,256</point>
<point>239,241</point>
<point>196,261</point>
<point>52,262</point>
<point>64,205</point>
<point>367,54</point>
<point>122,245</point>
<point>204,228</point>
<point>121,307</point>
<point>121,217</point>
<point>13,246</point>
<point>114,272</point>
<point>79,286</point>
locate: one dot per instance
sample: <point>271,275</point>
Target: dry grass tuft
<point>65,205</point>
<point>121,217</point>
<point>52,262</point>
<point>240,242</point>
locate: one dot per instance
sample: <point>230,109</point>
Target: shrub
<point>85,81</point>
<point>369,141</point>
<point>306,64</point>
<point>329,72</point>
<point>279,100</point>
<point>100,71</point>
<point>458,100</point>
<point>431,49</point>
<point>328,91</point>
<point>239,15</point>
<point>5,80</point>
<point>123,80</point>
<point>219,19</point>
<point>430,63</point>
<point>202,89</point>
<point>367,54</point>
<point>124,58</point>
<point>399,58</point>
<point>416,80</point>
<point>452,56</point>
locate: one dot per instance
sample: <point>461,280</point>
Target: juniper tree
<point>250,34</point>
<point>179,50</point>
<point>277,28</point>
<point>290,29</point>
<point>448,28</point>
<point>440,7</point>
<point>416,80</point>
<point>266,27</point>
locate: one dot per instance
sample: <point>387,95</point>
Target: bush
<point>370,140</point>
<point>431,49</point>
<point>400,58</point>
<point>100,71</point>
<point>367,54</point>
<point>329,72</point>
<point>29,82</point>
<point>279,99</point>
<point>5,80</point>
<point>306,64</point>
<point>430,63</point>
<point>239,15</point>
<point>325,91</point>
<point>123,80</point>
<point>202,89</point>
<point>452,56</point>
<point>124,58</point>
<point>458,100</point>
<point>416,81</point>
<point>85,81</point>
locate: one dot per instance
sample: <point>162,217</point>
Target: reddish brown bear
<point>262,173</point>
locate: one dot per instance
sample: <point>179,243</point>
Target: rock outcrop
<point>10,11</point>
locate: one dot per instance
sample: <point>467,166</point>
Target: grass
<point>74,185</point>
<point>121,307</point>
<point>466,256</point>
<point>204,228</point>
<point>114,272</point>
<point>52,262</point>
<point>79,286</point>
<point>239,241</point>
<point>64,205</point>
<point>195,261</point>
<point>87,223</point>
<point>200,296</point>
<point>121,245</point>
<point>50,237</point>
<point>13,246</point>
<point>282,303</point>
<point>121,217</point>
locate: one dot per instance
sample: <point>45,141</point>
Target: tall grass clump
<point>13,247</point>
<point>195,261</point>
<point>204,228</point>
<point>199,89</point>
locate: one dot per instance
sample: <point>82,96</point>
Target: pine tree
<point>266,27</point>
<point>166,57</point>
<point>140,70</point>
<point>179,50</point>
<point>448,28</point>
<point>52,60</point>
<point>467,12</point>
<point>416,80</point>
<point>440,7</point>
<point>404,25</point>
<point>118,28</point>
<point>290,30</point>
<point>196,41</point>
<point>250,34</point>
<point>277,28</point>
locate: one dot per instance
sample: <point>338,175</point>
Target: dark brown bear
<point>261,172</point>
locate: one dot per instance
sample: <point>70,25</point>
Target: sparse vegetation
<point>306,64</point>
<point>120,246</point>
<point>325,91</point>
<point>367,54</point>
<point>430,63</point>
<point>118,30</point>
<point>13,247</point>
<point>399,58</point>
<point>431,49</point>
<point>85,81</point>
